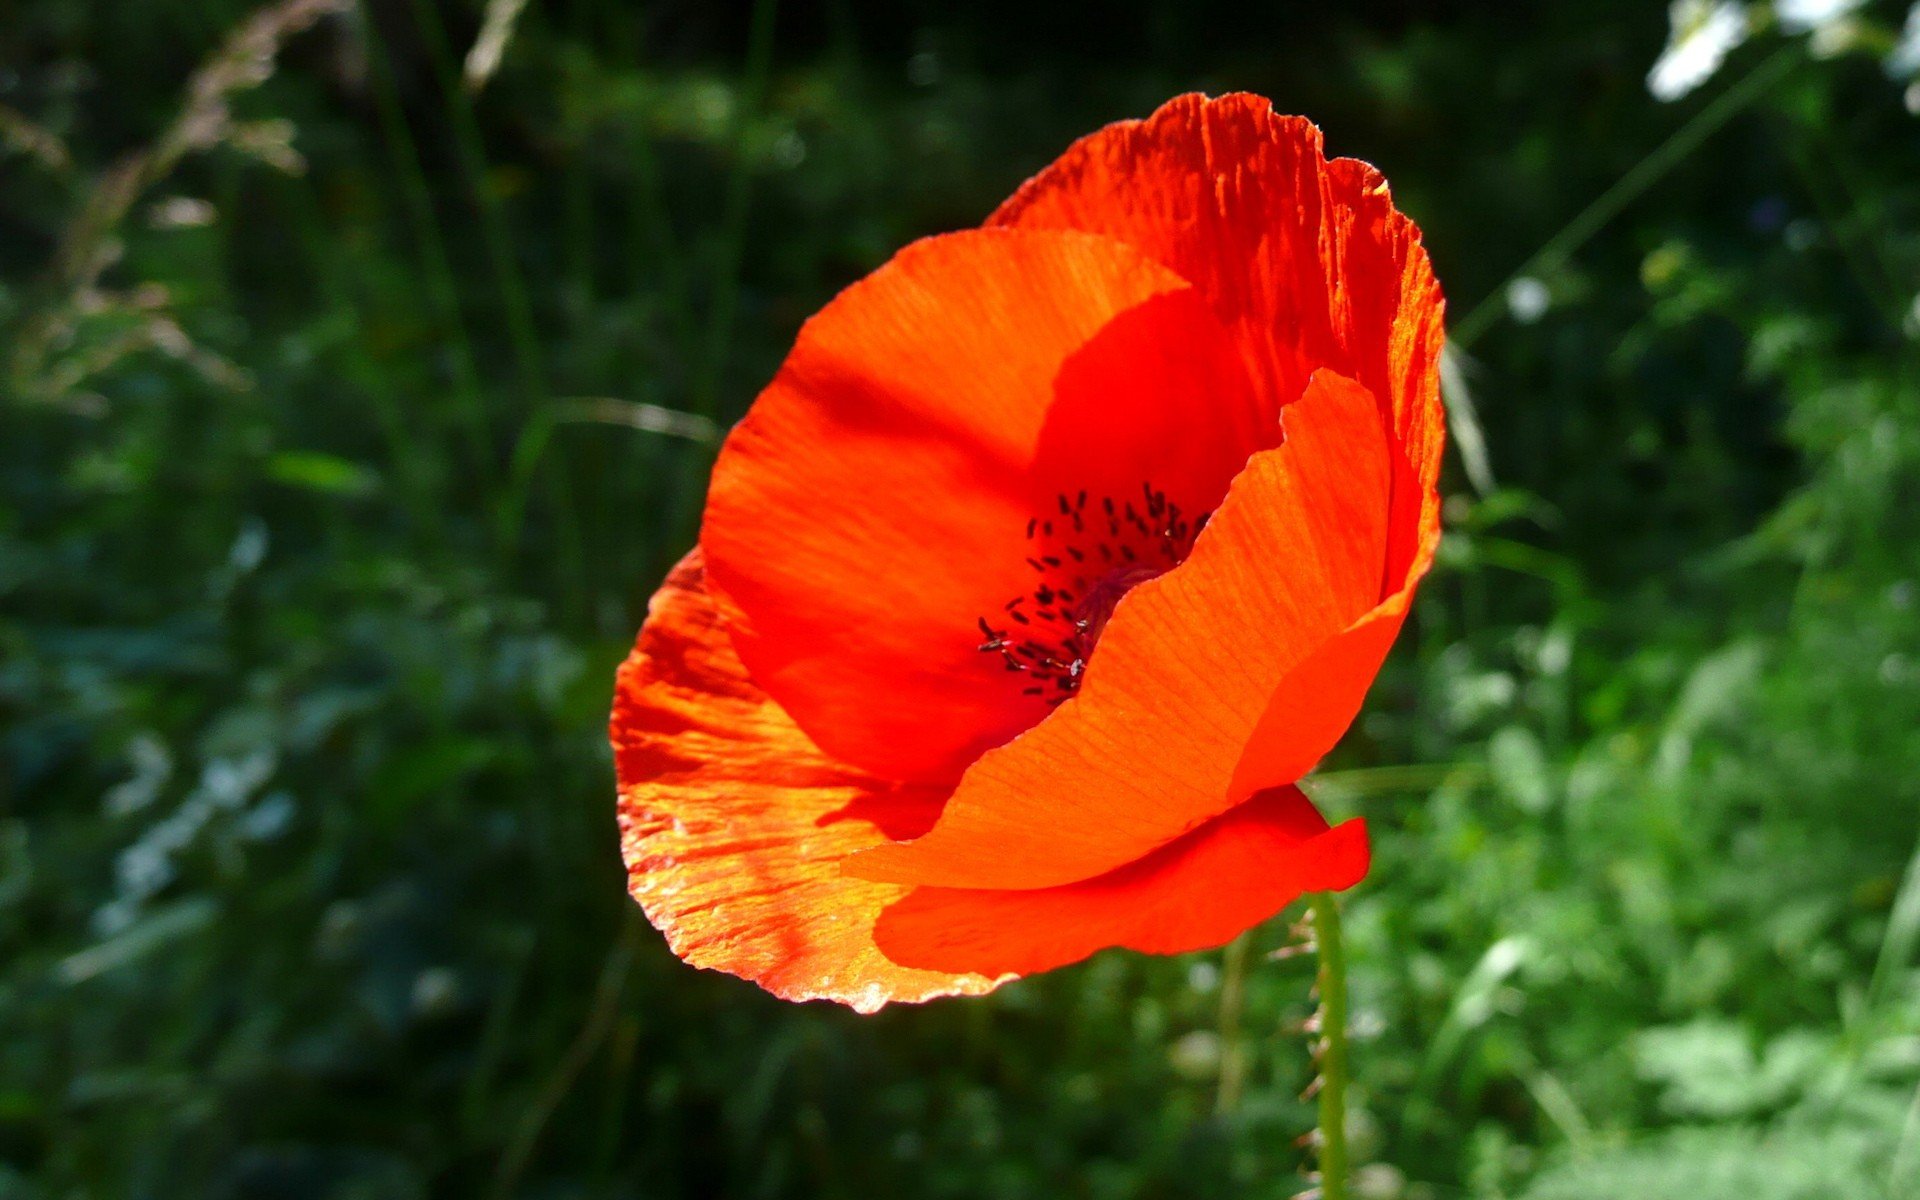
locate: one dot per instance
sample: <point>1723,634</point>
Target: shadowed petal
<point>1306,260</point>
<point>876,503</point>
<point>1280,609</point>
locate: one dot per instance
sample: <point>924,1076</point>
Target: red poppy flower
<point>1055,555</point>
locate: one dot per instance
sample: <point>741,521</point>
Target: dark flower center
<point>1085,557</point>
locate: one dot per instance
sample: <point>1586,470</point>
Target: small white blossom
<point>1704,32</point>
<point>1802,16</point>
<point>182,212</point>
<point>1904,61</point>
<point>1528,299</point>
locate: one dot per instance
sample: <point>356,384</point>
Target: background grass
<point>352,411</point>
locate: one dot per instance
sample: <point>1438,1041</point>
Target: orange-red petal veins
<point>1199,891</point>
<point>733,824</point>
<point>1321,695</point>
<point>878,500</point>
<point>1304,258</point>
<point>1153,745</point>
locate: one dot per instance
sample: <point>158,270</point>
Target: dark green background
<point>319,543</point>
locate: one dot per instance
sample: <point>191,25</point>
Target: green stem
<point>1233,1000</point>
<point>1333,1045</point>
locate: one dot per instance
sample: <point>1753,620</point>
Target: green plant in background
<point>321,520</point>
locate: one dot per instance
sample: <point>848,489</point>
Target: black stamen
<point>1066,622</point>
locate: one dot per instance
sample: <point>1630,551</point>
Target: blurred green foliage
<point>353,409</point>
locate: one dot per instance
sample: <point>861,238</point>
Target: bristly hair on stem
<point>1328,1027</point>
<point>1233,1050</point>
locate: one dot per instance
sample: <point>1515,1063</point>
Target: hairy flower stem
<point>1233,999</point>
<point>1332,1021</point>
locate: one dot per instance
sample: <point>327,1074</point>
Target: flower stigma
<point>1086,555</point>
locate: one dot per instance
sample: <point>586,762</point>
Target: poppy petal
<point>1304,258</point>
<point>1321,696</point>
<point>733,824</point>
<point>874,506</point>
<point>1199,891</point>
<point>1295,561</point>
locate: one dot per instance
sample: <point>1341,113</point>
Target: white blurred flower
<point>249,546</point>
<point>1196,1055</point>
<point>114,916</point>
<point>1800,16</point>
<point>152,766</point>
<point>268,819</point>
<point>181,212</point>
<point>1831,41</point>
<point>230,782</point>
<point>1528,299</point>
<point>1378,1181</point>
<point>1904,61</point>
<point>1703,33</point>
<point>142,869</point>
